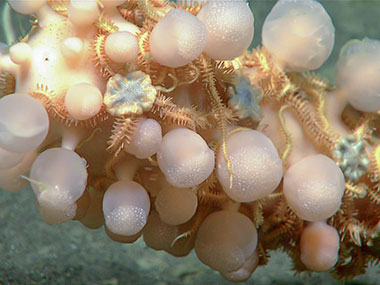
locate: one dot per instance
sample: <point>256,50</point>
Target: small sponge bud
<point>357,73</point>
<point>20,53</point>
<point>314,187</point>
<point>121,47</point>
<point>126,207</point>
<point>24,123</point>
<point>177,39</point>
<point>225,240</point>
<point>229,26</point>
<point>83,13</point>
<point>71,48</point>
<point>299,34</point>
<point>146,138</point>
<point>255,164</point>
<point>185,158</point>
<point>83,101</point>
<point>319,246</point>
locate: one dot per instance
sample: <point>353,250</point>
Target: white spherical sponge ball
<point>26,6</point>
<point>121,47</point>
<point>299,33</point>
<point>83,13</point>
<point>314,187</point>
<point>177,39</point>
<point>185,158</point>
<point>319,246</point>
<point>24,123</point>
<point>59,170</point>
<point>229,27</point>
<point>146,139</point>
<point>225,240</point>
<point>357,73</point>
<point>126,207</point>
<point>255,164</point>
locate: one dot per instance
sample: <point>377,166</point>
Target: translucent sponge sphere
<point>24,123</point>
<point>225,240</point>
<point>26,6</point>
<point>299,33</point>
<point>358,72</point>
<point>59,178</point>
<point>126,207</point>
<point>146,138</point>
<point>185,158</point>
<point>83,13</point>
<point>177,39</point>
<point>176,206</point>
<point>229,27</point>
<point>61,170</point>
<point>255,164</point>
<point>314,187</point>
<point>319,246</point>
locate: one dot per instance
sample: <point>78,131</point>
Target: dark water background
<point>32,252</point>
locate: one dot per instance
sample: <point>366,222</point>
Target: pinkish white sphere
<point>121,47</point>
<point>255,164</point>
<point>177,39</point>
<point>319,246</point>
<point>83,101</point>
<point>314,187</point>
<point>185,158</point>
<point>229,27</point>
<point>299,34</point>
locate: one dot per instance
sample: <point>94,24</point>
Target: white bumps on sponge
<point>58,178</point>
<point>229,27</point>
<point>126,207</point>
<point>299,33</point>
<point>314,187</point>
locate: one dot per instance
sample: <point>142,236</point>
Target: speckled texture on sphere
<point>256,166</point>
<point>313,188</point>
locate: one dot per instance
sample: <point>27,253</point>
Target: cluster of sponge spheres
<point>298,34</point>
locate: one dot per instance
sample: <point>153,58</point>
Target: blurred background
<point>32,252</point>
